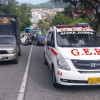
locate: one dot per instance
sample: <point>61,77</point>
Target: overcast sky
<point>32,1</point>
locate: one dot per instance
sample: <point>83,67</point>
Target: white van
<point>73,55</point>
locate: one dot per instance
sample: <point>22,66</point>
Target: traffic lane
<point>11,76</point>
<point>39,85</point>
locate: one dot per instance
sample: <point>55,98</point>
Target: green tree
<point>61,19</point>
<point>23,11</point>
<point>68,10</point>
<point>44,26</point>
<point>85,4</point>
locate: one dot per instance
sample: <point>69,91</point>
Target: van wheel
<point>45,61</point>
<point>16,60</point>
<point>54,82</point>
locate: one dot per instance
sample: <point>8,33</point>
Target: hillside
<point>49,5</point>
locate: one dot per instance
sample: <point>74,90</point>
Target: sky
<point>32,1</point>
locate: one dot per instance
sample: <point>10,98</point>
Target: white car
<point>23,39</point>
<point>73,55</point>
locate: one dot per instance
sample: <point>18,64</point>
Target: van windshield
<point>65,39</point>
<point>7,40</point>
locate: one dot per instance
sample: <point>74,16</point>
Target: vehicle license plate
<point>43,42</point>
<point>94,80</point>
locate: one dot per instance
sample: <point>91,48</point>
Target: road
<point>11,76</point>
<point>39,83</point>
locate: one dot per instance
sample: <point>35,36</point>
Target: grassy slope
<point>81,20</point>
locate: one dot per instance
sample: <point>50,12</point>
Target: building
<point>41,14</point>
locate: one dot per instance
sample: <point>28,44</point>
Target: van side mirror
<point>50,44</point>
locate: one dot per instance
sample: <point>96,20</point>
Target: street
<point>39,80</point>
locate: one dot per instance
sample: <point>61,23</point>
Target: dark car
<point>40,40</point>
<point>84,25</point>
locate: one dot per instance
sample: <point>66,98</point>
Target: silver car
<point>9,49</point>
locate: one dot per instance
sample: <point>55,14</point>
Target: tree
<point>61,19</point>
<point>44,25</point>
<point>85,4</point>
<point>23,11</point>
<point>67,10</point>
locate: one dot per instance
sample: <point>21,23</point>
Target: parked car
<point>22,36</point>
<point>40,40</point>
<point>26,38</point>
<point>9,49</point>
<point>73,55</point>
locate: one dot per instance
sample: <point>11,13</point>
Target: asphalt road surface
<point>39,81</point>
<point>11,76</point>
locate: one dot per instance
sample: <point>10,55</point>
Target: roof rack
<point>64,26</point>
<point>83,26</point>
<point>75,26</point>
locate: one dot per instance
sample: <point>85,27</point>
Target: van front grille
<point>86,64</point>
<point>3,52</point>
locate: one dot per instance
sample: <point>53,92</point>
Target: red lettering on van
<point>75,52</point>
<point>87,52</point>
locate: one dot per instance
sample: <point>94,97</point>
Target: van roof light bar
<point>75,26</point>
<point>64,26</point>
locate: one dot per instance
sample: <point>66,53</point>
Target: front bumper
<point>73,78</point>
<point>7,57</point>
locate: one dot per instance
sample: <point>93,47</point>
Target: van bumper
<point>70,78</point>
<point>8,57</point>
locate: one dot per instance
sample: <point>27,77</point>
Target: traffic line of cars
<point>27,39</point>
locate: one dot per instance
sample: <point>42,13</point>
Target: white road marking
<point>24,81</point>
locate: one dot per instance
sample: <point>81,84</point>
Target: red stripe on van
<point>54,52</point>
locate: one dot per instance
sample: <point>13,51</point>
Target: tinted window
<point>41,37</point>
<point>74,40</point>
<point>7,40</point>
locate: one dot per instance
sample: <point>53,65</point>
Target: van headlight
<point>61,62</point>
<point>11,51</point>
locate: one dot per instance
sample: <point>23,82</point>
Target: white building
<point>35,17</point>
<point>38,14</point>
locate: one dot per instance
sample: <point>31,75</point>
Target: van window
<point>52,39</point>
<point>77,40</point>
<point>49,36</point>
<point>7,40</point>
